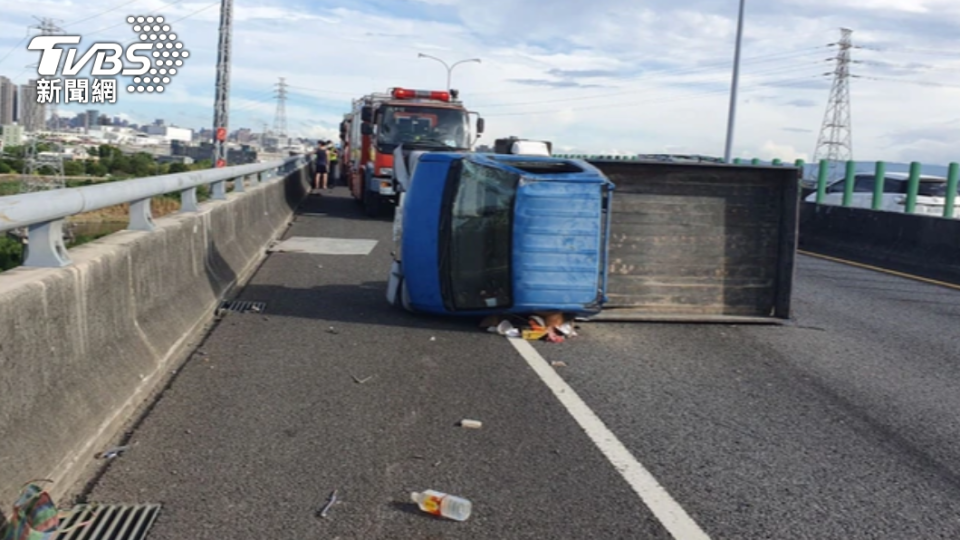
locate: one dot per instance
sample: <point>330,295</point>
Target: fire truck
<point>379,123</point>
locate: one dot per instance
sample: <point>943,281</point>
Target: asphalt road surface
<point>842,426</point>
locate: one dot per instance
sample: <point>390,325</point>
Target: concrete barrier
<point>921,245</point>
<point>83,347</point>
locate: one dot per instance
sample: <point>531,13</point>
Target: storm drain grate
<point>243,306</point>
<point>108,522</point>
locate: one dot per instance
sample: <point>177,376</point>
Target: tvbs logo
<point>151,61</point>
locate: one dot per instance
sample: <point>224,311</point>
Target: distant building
<point>32,114</point>
<point>186,160</point>
<point>11,135</point>
<point>8,101</point>
<point>169,133</point>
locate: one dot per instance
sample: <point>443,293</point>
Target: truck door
<point>700,242</point>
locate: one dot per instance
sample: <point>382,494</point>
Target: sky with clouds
<point>603,76</point>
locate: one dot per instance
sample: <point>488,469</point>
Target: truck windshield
<point>477,243</point>
<point>435,126</point>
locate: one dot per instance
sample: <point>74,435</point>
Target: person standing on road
<point>332,159</point>
<point>322,160</point>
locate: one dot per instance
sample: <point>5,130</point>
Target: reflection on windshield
<point>423,124</point>
<point>480,233</point>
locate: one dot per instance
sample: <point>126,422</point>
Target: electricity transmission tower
<point>221,107</point>
<point>280,118</point>
<point>49,27</point>
<point>52,164</point>
<point>835,141</point>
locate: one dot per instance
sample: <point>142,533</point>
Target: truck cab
<point>481,234</point>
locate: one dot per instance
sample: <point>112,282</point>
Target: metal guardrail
<point>43,213</point>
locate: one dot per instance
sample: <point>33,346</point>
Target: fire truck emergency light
<point>406,93</point>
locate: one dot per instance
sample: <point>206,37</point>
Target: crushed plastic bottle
<point>443,504</point>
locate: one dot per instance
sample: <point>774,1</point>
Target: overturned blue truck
<point>630,240</point>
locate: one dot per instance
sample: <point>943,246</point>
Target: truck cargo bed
<point>700,242</point>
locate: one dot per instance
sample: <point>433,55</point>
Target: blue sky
<point>600,76</point>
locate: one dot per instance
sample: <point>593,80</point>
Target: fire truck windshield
<point>433,126</point>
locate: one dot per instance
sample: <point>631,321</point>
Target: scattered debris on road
<point>359,380</point>
<point>443,504</point>
<point>332,330</point>
<point>112,452</point>
<point>553,327</point>
<point>558,363</point>
<point>471,424</point>
<point>326,508</point>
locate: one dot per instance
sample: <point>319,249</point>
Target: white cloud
<point>771,150</point>
<point>643,79</point>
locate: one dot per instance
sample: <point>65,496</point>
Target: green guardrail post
<point>777,162</point>
<point>848,182</point>
<point>879,177</point>
<point>755,161</point>
<point>822,180</point>
<point>913,187</point>
<point>736,161</point>
<point>953,174</point>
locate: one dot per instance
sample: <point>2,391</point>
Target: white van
<point>931,196</point>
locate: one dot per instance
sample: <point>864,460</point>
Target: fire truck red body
<point>380,122</point>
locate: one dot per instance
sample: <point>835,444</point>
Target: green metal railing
<point>849,180</point>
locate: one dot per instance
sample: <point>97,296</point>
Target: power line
<point>260,99</point>
<point>322,90</point>
<point>635,91</point>
<point>14,48</point>
<point>690,69</point>
<point>124,23</point>
<point>910,50</point>
<point>681,97</point>
<point>906,81</point>
<point>102,13</point>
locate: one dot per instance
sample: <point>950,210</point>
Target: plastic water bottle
<point>443,504</point>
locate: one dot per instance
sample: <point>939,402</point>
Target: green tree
<point>73,168</point>
<point>95,168</point>
<point>120,165</point>
<point>178,168</point>
<point>143,164</point>
<point>11,252</point>
<point>5,168</point>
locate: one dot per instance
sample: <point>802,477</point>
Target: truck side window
<point>481,228</point>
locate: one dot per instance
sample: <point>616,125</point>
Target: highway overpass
<point>841,424</point>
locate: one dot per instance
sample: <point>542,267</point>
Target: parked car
<point>931,196</point>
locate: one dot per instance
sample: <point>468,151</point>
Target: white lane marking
<point>325,246</point>
<point>673,517</point>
